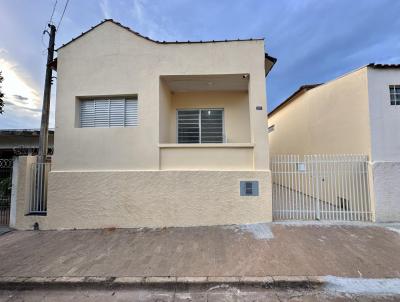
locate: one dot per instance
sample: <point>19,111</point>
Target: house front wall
<point>329,119</point>
<point>385,143</point>
<point>116,177</point>
<point>111,61</point>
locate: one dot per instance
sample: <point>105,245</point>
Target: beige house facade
<point>357,113</point>
<point>156,134</point>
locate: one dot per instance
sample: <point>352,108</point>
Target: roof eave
<point>269,62</point>
<point>383,66</point>
<point>22,132</point>
<point>155,41</point>
<point>302,89</point>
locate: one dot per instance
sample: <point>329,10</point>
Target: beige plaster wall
<point>229,157</point>
<point>20,195</point>
<point>154,199</point>
<point>111,61</point>
<point>236,112</point>
<point>164,107</point>
<point>329,119</point>
<point>128,199</point>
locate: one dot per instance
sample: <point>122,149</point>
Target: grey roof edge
<point>383,66</point>
<point>152,40</point>
<point>23,132</point>
<point>293,96</point>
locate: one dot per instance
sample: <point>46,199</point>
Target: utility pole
<point>44,126</point>
<point>38,204</point>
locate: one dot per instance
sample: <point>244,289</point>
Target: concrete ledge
<point>171,283</point>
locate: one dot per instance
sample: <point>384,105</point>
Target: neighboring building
<point>358,113</point>
<point>154,134</point>
<point>17,142</point>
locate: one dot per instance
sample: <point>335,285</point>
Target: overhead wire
<point>62,16</point>
<point>45,27</point>
<point>52,13</point>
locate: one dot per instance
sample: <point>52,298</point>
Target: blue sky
<point>314,40</point>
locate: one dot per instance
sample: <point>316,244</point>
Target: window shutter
<point>108,113</point>
<point>101,113</point>
<point>117,113</point>
<point>86,113</point>
<point>131,113</point>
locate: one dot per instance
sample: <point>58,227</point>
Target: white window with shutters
<point>108,112</point>
<point>199,126</point>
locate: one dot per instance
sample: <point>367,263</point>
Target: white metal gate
<point>38,188</point>
<point>320,187</point>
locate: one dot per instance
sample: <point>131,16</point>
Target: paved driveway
<point>253,250</point>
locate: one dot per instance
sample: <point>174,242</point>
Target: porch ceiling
<point>186,83</point>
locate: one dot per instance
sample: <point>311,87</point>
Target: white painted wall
<point>385,143</point>
<point>386,187</point>
<point>384,118</point>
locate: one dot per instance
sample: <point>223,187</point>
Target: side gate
<point>321,187</point>
<point>5,190</point>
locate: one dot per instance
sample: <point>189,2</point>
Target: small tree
<point>1,95</point>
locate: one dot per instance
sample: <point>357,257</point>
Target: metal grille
<point>212,126</point>
<point>5,190</point>
<point>394,94</point>
<point>38,189</point>
<point>108,113</point>
<point>200,126</point>
<point>321,187</point>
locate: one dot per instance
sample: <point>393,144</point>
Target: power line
<point>45,27</point>
<point>62,16</point>
<point>52,13</point>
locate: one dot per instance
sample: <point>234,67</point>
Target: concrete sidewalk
<point>219,251</point>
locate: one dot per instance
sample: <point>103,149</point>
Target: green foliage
<point>5,186</point>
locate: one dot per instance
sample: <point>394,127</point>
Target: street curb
<point>170,283</point>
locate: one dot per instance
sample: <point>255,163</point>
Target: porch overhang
<point>219,82</point>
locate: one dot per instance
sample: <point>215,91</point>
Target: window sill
<point>36,214</point>
<point>217,145</point>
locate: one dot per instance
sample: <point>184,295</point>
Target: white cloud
<point>105,8</point>
<point>22,99</point>
<point>150,21</point>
